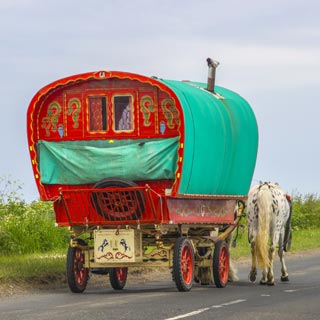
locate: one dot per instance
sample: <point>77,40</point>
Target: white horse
<point>269,211</point>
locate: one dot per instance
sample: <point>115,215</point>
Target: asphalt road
<point>297,299</point>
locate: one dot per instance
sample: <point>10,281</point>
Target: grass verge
<point>32,267</point>
<point>301,240</point>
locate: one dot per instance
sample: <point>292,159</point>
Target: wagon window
<point>97,113</point>
<point>123,115</point>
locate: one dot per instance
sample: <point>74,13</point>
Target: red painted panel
<point>218,211</point>
<point>50,118</point>
<point>108,206</point>
<point>73,115</point>
<point>59,112</point>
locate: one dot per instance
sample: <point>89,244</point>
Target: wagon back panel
<point>132,122</point>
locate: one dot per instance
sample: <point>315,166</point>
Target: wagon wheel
<point>77,274</point>
<point>221,264</point>
<point>183,264</point>
<point>118,277</point>
<point>118,205</point>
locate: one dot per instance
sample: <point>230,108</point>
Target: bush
<point>30,228</point>
<point>27,228</point>
<point>306,212</point>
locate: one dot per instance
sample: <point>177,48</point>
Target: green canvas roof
<point>220,140</point>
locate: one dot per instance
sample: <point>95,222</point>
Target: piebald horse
<point>269,213</point>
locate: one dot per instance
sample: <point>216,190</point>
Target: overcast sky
<point>269,52</point>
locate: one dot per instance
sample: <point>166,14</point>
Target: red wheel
<point>118,277</point>
<point>221,264</point>
<point>77,274</point>
<point>183,264</point>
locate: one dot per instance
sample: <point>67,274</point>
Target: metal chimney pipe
<point>212,64</point>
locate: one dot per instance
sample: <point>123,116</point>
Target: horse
<point>268,215</point>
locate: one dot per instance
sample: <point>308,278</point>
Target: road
<point>297,299</point>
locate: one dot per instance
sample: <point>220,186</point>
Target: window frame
<point>104,113</point>
<point>113,111</point>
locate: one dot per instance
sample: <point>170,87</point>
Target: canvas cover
<point>81,162</point>
<point>220,140</point>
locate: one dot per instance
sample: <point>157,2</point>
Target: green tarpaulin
<point>80,162</point>
<point>220,140</point>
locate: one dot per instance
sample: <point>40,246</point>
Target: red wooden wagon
<point>144,172</point>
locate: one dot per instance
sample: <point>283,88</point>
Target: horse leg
<point>264,278</point>
<point>284,273</point>
<point>270,276</point>
<point>253,271</point>
<point>232,275</point>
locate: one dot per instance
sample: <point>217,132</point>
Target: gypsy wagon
<point>145,172</point>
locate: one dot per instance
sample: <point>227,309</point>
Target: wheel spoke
<point>121,274</point>
<point>223,265</point>
<point>186,264</point>
<point>79,271</point>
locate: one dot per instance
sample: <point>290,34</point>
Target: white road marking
<point>301,289</point>
<point>192,313</point>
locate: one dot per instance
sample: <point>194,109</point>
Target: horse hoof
<point>270,284</point>
<point>252,277</point>
<point>284,278</point>
<point>263,282</point>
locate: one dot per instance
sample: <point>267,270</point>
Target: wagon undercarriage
<point>193,252</point>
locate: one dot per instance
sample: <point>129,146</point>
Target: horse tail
<point>264,202</point>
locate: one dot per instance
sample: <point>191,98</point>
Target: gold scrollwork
<point>170,112</point>
<point>74,107</point>
<point>146,107</point>
<point>50,121</point>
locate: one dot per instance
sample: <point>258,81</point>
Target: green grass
<point>301,240</point>
<point>242,248</point>
<point>305,239</point>
<point>51,266</point>
<point>32,267</point>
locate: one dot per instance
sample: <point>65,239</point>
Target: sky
<point>269,53</point>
